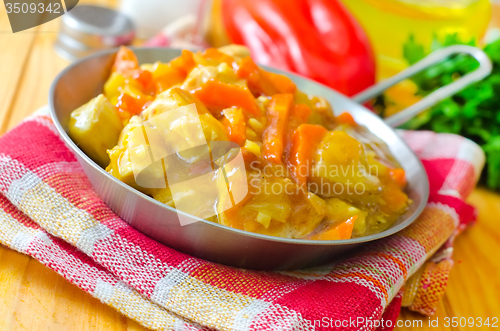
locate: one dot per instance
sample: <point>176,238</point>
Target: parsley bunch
<point>473,113</point>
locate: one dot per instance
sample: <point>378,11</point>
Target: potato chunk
<point>340,169</point>
<point>236,51</point>
<point>95,128</point>
<point>338,211</point>
<point>172,99</point>
<point>157,132</point>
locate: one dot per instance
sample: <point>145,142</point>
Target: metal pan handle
<point>440,94</point>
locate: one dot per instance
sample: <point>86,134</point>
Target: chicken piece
<point>95,128</point>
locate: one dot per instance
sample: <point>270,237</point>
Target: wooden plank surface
<point>33,297</point>
<point>14,51</point>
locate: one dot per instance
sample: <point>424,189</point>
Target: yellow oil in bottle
<point>389,23</point>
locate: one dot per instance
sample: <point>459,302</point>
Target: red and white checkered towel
<point>49,211</point>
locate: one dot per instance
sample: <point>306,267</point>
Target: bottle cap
<point>87,29</point>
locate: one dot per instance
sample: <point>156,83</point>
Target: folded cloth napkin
<point>50,212</point>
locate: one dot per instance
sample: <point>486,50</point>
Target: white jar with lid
<point>150,16</point>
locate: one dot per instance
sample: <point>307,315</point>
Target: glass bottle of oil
<point>389,23</point>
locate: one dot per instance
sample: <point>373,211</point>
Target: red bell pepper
<point>318,39</point>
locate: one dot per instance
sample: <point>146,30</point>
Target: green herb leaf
<point>412,51</point>
<point>474,112</point>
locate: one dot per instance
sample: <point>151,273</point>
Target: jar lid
<point>87,29</point>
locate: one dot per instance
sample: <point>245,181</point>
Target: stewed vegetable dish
<point>213,134</point>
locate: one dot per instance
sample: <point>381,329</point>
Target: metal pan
<point>84,80</point>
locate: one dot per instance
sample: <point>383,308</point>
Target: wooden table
<point>33,297</point>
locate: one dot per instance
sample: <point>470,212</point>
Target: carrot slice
<point>145,79</point>
<point>264,82</point>
<point>339,232</point>
<point>258,83</point>
<point>185,62</point>
<point>235,123</point>
<point>346,118</point>
<point>247,67</point>
<point>128,105</point>
<point>281,82</point>
<point>218,95</point>
<point>274,134</point>
<point>299,114</point>
<point>302,112</point>
<point>125,61</point>
<point>305,140</point>
<point>399,176</point>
